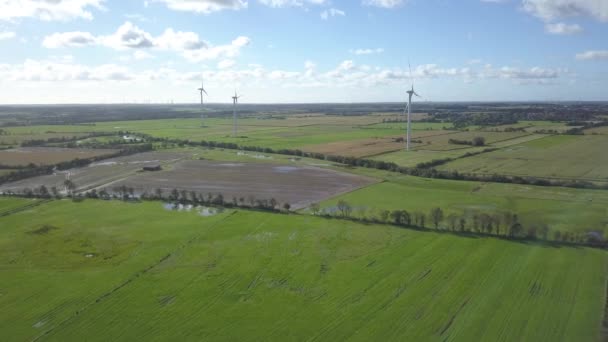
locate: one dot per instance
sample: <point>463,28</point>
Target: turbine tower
<point>235,101</point>
<point>410,93</point>
<point>202,90</point>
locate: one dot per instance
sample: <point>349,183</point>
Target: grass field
<point>561,209</point>
<point>564,156</point>
<point>101,271</point>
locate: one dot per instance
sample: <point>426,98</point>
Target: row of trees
<point>505,225</point>
<point>477,141</point>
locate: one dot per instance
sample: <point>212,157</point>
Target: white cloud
<point>61,71</point>
<point>213,52</point>
<point>332,12</point>
<point>367,51</point>
<point>552,9</point>
<point>129,36</point>
<point>384,3</point>
<point>4,35</point>
<point>178,40</point>
<point>226,64</point>
<point>291,3</point>
<point>69,39</point>
<point>48,10</point>
<point>592,55</point>
<point>204,6</point>
<point>141,55</point>
<point>562,28</point>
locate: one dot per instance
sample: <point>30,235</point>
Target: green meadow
<point>100,271</point>
<point>563,209</point>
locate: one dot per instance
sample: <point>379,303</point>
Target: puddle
<point>285,169</point>
<point>89,255</point>
<point>202,210</point>
<point>230,164</point>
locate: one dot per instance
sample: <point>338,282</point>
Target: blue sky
<point>105,51</point>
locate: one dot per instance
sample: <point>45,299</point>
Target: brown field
<point>371,146</point>
<point>297,185</point>
<point>47,155</point>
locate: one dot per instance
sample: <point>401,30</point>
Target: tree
<point>159,193</point>
<point>479,141</point>
<point>286,206</point>
<point>462,223</point>
<point>344,208</point>
<point>436,216</point>
<point>384,214</point>
<point>315,208</point>
<point>69,186</point>
<point>401,217</point>
<point>273,203</point>
<point>452,220</point>
<point>516,229</point>
<point>544,231</point>
<point>174,196</point>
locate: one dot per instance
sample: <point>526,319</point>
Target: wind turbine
<point>235,100</point>
<point>410,93</point>
<point>202,90</point>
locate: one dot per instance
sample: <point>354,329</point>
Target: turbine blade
<point>417,95</point>
<point>204,91</point>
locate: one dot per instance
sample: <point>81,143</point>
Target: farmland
<point>91,263</point>
<point>47,155</point>
<point>566,157</point>
<point>290,182</point>
<point>164,257</point>
<point>561,209</point>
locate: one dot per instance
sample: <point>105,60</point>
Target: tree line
<point>498,224</point>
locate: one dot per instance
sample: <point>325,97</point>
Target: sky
<point>302,51</point>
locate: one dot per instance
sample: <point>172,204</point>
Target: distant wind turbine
<point>409,109</point>
<point>202,90</point>
<point>235,101</point>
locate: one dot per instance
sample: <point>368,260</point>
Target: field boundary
<point>24,207</point>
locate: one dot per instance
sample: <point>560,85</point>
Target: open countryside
<point>303,170</point>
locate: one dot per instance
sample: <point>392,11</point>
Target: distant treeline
<point>425,171</point>
<point>39,170</point>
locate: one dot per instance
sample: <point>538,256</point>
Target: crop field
<point>367,147</point>
<point>533,126</point>
<point>440,142</point>
<point>297,185</point>
<point>102,271</point>
<point>8,204</point>
<point>562,157</point>
<point>47,155</point>
<point>296,182</point>
<point>597,130</point>
<point>97,174</point>
<point>562,209</point>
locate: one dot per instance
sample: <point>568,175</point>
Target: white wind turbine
<point>202,90</point>
<point>409,109</point>
<point>235,101</point>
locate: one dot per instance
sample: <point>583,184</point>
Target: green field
<point>100,271</point>
<point>562,209</point>
<point>560,156</point>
